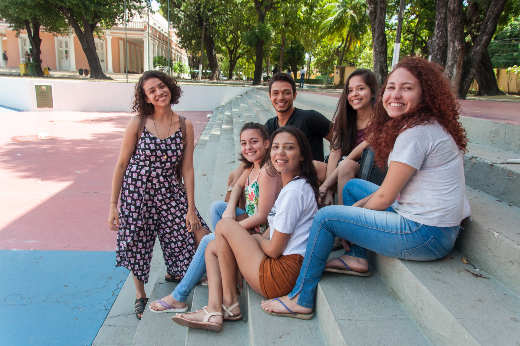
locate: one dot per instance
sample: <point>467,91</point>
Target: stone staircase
<point>471,297</point>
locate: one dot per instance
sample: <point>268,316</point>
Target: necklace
<point>168,135</point>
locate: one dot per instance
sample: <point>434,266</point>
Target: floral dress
<point>154,203</point>
<point>252,192</point>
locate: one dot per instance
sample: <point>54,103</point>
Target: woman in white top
<point>270,263</point>
<point>416,213</point>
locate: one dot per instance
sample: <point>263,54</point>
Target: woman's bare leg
<point>236,247</point>
<point>199,234</point>
<point>347,169</point>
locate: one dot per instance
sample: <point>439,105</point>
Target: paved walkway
<point>57,275</point>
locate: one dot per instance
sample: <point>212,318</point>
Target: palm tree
<point>348,18</point>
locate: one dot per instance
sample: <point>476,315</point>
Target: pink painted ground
<point>55,193</point>
<point>507,112</point>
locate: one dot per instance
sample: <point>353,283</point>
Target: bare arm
<point>188,173</point>
<point>396,178</point>
<point>238,190</point>
<point>274,247</point>
<point>329,136</point>
<point>127,149</point>
<point>269,189</point>
<point>238,173</point>
<point>357,152</point>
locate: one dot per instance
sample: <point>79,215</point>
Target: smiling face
<point>285,154</point>
<point>403,93</point>
<point>252,146</point>
<point>359,94</point>
<point>157,92</point>
<point>282,96</point>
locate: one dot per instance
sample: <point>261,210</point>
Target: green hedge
<point>316,81</point>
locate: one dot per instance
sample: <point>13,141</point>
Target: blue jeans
<point>197,266</point>
<point>384,232</point>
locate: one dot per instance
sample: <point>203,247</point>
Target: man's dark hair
<point>282,77</point>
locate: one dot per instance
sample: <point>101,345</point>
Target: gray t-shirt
<point>435,194</point>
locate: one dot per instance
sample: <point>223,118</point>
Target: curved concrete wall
<point>92,96</point>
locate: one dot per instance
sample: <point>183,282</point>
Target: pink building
<point>147,37</point>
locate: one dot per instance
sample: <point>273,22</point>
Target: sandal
<point>290,314</point>
<point>347,270</point>
<point>228,315</point>
<point>140,304</point>
<point>205,324</point>
<point>171,278</point>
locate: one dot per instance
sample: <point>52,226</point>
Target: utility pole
<point>169,45</point>
<point>201,49</point>
<point>397,45</point>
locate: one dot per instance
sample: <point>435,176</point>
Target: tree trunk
<point>487,30</point>
<point>33,31</point>
<point>232,65</point>
<point>412,53</point>
<point>347,43</point>
<point>211,53</point>
<point>280,62</point>
<point>268,62</point>
<point>377,11</point>
<point>261,8</point>
<point>86,39</point>
<point>486,79</point>
<point>455,57</point>
<point>439,42</point>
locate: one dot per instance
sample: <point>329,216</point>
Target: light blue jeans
<point>197,266</point>
<point>384,232</point>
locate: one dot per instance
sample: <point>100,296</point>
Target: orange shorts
<point>278,275</point>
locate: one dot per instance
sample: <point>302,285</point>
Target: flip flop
<point>291,314</point>
<point>171,279</point>
<point>168,307</point>
<point>179,319</point>
<point>347,270</point>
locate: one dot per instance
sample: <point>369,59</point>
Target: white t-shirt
<point>435,194</point>
<point>293,213</point>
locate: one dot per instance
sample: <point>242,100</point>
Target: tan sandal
<point>205,324</point>
<point>228,315</point>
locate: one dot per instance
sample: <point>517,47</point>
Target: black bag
<point>368,171</point>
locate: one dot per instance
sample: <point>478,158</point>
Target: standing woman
<point>353,113</point>
<point>416,213</point>
<point>154,201</point>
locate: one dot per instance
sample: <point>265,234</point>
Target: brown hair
<point>145,109</point>
<point>264,134</point>
<point>345,117</point>
<point>438,104</point>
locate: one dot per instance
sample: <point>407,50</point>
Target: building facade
<point>146,37</point>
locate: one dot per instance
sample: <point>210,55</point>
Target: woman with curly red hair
<point>156,154</point>
<point>416,213</point>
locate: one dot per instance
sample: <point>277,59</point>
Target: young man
<point>314,125</point>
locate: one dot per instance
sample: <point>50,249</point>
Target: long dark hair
<point>264,134</point>
<point>345,117</point>
<point>307,169</point>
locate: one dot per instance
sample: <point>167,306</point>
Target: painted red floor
<point>55,193</point>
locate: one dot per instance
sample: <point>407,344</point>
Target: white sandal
<point>205,324</point>
<point>228,315</point>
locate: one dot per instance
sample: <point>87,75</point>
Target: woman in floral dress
<point>153,200</point>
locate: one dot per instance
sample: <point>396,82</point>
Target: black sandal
<point>140,305</point>
<point>171,278</point>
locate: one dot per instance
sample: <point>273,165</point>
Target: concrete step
<point>484,173</point>
<point>451,302</point>
<point>491,238</point>
<point>232,333</point>
<point>247,112</point>
<point>239,119</point>
<point>492,134</point>
<point>260,110</point>
<point>265,329</point>
<point>354,310</point>
<point>224,161</point>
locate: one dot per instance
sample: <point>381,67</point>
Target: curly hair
<point>145,109</point>
<point>307,168</point>
<point>264,134</point>
<point>345,118</point>
<point>438,104</point>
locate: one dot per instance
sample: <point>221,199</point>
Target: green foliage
<point>179,67</point>
<point>31,68</point>
<point>504,50</point>
<point>160,60</point>
<point>16,12</point>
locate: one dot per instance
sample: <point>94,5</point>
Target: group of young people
<point>278,225</point>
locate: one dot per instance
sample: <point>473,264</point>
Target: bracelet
<point>114,202</point>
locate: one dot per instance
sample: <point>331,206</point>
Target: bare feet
<point>275,306</point>
<point>168,300</point>
<point>355,263</point>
